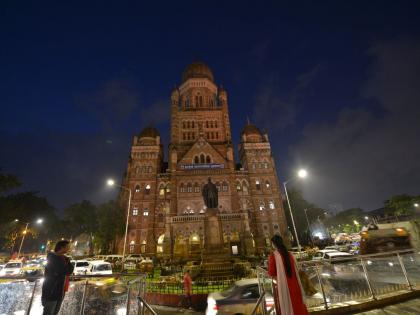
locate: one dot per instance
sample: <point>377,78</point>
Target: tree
<point>81,218</point>
<point>8,182</point>
<point>27,207</point>
<point>402,204</point>
<point>348,221</point>
<point>111,222</point>
<point>299,205</point>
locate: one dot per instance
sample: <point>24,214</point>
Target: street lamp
<point>301,174</point>
<point>39,221</point>
<point>416,205</point>
<point>111,182</point>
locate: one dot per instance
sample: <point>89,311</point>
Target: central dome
<point>197,70</point>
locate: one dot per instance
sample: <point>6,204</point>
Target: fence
<point>122,295</point>
<point>176,287</point>
<point>347,281</point>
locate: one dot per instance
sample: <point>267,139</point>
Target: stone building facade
<point>167,209</point>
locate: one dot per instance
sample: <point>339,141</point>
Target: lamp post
<point>301,174</point>
<point>309,227</point>
<point>111,182</point>
<point>39,221</point>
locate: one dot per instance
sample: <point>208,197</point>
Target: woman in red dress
<point>287,291</point>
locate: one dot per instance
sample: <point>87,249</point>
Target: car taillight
<point>215,307</point>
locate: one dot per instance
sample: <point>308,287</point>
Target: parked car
<point>323,253</point>
<point>32,268</point>
<point>80,267</point>
<point>99,267</point>
<point>240,298</point>
<point>12,268</point>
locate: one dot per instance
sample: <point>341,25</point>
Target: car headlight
<point>212,306</point>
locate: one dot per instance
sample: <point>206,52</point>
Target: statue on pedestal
<point>210,195</point>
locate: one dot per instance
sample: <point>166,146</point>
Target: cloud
<point>270,102</point>
<point>366,156</point>
<point>111,104</point>
<point>65,167</point>
<point>156,114</point>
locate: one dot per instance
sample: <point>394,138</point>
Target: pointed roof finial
<point>247,120</point>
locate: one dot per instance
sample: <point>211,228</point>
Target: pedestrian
<point>188,288</point>
<point>56,278</point>
<point>287,292</point>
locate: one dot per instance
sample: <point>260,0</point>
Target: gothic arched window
<point>202,159</point>
<point>189,187</point>
<point>137,188</point>
<point>225,186</point>
<point>208,159</point>
<point>267,184</point>
<point>147,189</point>
<point>257,184</point>
<point>238,187</point>
<point>196,160</point>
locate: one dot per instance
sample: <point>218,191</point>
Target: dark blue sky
<point>334,83</point>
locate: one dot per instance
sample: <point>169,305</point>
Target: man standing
<point>56,283</point>
<point>188,288</point>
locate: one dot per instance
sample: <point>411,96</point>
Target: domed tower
<point>146,161</point>
<point>199,110</point>
<point>267,214</point>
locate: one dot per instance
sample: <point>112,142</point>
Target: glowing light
<point>302,173</point>
<point>366,218</point>
<point>356,222</point>
<point>416,205</point>
<point>39,221</point>
<point>110,182</point>
<point>391,264</point>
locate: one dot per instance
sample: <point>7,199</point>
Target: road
<point>411,307</point>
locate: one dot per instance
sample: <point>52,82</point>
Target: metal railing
<point>117,293</point>
<point>351,280</point>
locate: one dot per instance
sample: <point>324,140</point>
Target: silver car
<point>239,299</point>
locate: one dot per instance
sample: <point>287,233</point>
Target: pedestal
<point>213,236</point>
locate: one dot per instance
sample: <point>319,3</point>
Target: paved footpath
<point>165,310</point>
<point>411,307</point>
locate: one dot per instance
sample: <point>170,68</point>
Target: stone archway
<point>194,244</point>
<point>180,246</point>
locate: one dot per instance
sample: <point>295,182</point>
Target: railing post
<point>405,272</point>
<point>32,297</point>
<point>372,292</point>
<point>322,287</point>
<point>82,308</point>
<point>128,299</point>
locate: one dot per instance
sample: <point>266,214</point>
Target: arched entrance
<point>159,246</point>
<point>194,244</point>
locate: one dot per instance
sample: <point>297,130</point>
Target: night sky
<point>336,84</point>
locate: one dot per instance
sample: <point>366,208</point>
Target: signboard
<point>207,166</point>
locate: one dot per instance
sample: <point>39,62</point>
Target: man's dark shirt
<point>56,270</point>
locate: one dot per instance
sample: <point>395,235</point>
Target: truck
<point>384,237</point>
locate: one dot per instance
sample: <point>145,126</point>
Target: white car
<point>323,253</point>
<point>99,267</point>
<point>238,299</point>
<point>80,267</point>
<point>12,268</point>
